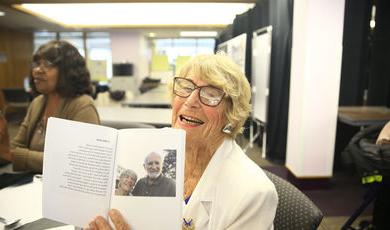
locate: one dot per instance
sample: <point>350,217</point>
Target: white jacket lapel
<point>200,206</point>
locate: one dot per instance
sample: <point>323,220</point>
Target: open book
<point>88,169</point>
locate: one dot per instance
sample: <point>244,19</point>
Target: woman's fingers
<point>102,224</point>
<point>99,223</point>
<point>92,226</point>
<point>118,220</point>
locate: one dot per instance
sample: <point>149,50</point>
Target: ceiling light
<point>152,35</point>
<point>138,14</point>
<point>198,33</point>
<point>2,13</point>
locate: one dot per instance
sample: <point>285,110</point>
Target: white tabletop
<point>153,116</point>
<point>22,202</point>
<point>155,97</point>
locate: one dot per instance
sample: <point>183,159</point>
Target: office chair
<point>125,125</point>
<point>372,162</point>
<point>16,98</point>
<point>295,210</point>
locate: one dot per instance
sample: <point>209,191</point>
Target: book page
<point>149,175</point>
<point>77,171</point>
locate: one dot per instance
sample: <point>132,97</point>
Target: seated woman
<point>59,74</point>
<point>223,188</point>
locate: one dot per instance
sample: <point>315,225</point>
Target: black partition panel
<point>281,18</point>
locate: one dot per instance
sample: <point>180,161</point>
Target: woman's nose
<point>38,69</point>
<point>193,99</point>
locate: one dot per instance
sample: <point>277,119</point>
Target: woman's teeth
<point>190,120</point>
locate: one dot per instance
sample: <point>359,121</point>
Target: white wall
<point>314,87</point>
<point>131,47</point>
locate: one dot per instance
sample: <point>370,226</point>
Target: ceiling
<point>19,20</point>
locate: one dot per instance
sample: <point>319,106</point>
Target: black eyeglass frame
<point>197,87</point>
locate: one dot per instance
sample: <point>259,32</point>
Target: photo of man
<point>154,183</point>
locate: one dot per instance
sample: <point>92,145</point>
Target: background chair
<point>125,125</point>
<point>15,98</point>
<point>295,210</point>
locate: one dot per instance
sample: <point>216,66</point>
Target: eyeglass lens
<point>42,63</point>
<point>208,95</point>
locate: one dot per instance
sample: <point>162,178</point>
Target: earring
<point>227,129</point>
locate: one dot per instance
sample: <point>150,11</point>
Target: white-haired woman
<point>223,188</point>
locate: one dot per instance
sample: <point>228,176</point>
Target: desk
<point>24,201</point>
<point>127,115</point>
<point>353,118</point>
<point>155,98</point>
<point>364,115</point>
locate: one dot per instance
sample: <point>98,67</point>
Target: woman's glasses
<point>43,64</point>
<point>208,95</point>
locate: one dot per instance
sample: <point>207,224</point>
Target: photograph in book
<point>155,175</point>
<point>91,169</point>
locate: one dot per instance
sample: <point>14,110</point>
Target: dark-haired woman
<point>62,81</point>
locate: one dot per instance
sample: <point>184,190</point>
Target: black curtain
<point>277,13</point>
<point>280,17</point>
<point>355,59</point>
<point>379,80</point>
<point>366,54</point>
<point>261,14</point>
<point>355,68</point>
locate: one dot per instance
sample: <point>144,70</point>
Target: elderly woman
<point>126,183</point>
<point>59,74</point>
<point>223,188</point>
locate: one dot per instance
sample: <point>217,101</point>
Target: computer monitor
<point>122,69</point>
<point>123,78</point>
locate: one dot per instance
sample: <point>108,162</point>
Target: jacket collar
<point>204,192</point>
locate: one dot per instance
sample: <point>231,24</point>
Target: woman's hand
<point>99,223</point>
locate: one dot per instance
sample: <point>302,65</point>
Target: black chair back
<point>295,210</point>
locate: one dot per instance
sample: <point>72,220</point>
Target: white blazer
<point>233,193</point>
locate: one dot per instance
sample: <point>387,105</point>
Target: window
<point>99,52</point>
<point>97,49</point>
<point>175,47</point>
<point>75,38</point>
<point>41,38</point>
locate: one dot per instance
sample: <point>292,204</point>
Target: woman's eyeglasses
<point>43,64</point>
<point>208,95</point>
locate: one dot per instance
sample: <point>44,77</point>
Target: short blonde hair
<point>128,173</point>
<point>220,71</point>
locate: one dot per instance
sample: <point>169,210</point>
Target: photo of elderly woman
<point>125,182</point>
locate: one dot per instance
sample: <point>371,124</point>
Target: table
<point>155,98</point>
<point>364,115</point>
<point>24,201</point>
<point>128,116</point>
